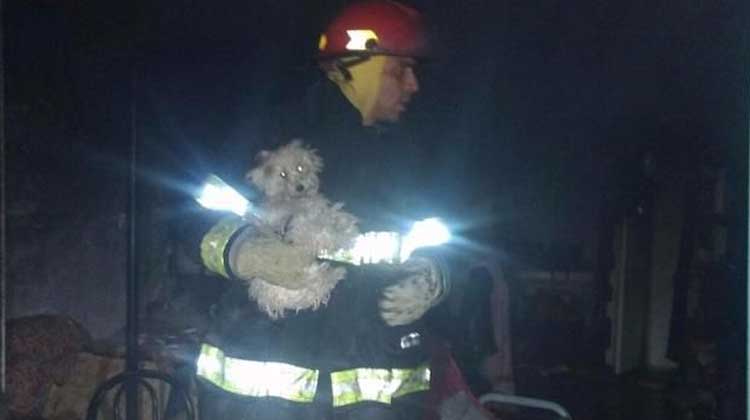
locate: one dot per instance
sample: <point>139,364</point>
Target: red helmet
<point>374,27</point>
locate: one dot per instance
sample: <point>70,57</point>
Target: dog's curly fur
<point>295,210</point>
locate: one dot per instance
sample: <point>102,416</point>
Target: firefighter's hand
<point>271,259</point>
<point>420,289</point>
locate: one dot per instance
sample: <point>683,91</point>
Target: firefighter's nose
<point>300,188</point>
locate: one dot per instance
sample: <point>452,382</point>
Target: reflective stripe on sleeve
<point>257,379</point>
<point>214,244</point>
<point>369,248</point>
<point>381,385</point>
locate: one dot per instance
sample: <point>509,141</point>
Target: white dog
<point>298,213</point>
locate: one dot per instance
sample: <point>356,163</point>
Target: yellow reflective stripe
<point>210,364</point>
<point>412,380</point>
<point>322,42</point>
<point>214,244</point>
<point>257,379</point>
<point>381,385</point>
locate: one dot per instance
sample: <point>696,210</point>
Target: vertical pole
<point>747,250</point>
<point>131,325</point>
<point>3,200</point>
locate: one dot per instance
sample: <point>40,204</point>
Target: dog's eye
<point>300,168</point>
<point>283,174</point>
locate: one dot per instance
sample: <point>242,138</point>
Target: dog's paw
<point>409,299</point>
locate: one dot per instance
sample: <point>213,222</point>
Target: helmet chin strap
<point>343,64</point>
<point>359,79</point>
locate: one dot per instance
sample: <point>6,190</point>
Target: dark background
<point>532,111</point>
<point>544,121</point>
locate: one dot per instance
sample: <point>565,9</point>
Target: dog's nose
<point>300,188</point>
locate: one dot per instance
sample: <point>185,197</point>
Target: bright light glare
<point>358,39</point>
<point>217,195</point>
<point>375,247</point>
<point>390,247</point>
<point>427,232</point>
<point>209,365</point>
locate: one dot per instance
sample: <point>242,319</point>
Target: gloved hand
<point>420,289</point>
<point>270,258</point>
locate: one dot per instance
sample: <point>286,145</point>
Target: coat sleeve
<point>235,249</point>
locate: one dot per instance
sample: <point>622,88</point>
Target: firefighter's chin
<point>398,112</point>
<point>394,113</point>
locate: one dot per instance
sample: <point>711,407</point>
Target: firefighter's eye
<point>283,174</point>
<point>300,168</point>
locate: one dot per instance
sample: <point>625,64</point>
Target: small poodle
<point>298,213</point>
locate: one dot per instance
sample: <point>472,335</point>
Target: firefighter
<point>368,54</point>
<point>366,354</point>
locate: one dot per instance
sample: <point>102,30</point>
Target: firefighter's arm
<point>424,284</point>
<point>234,248</point>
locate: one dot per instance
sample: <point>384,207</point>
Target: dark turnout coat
<point>380,173</point>
<point>375,173</point>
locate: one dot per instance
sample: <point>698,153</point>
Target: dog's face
<point>290,171</point>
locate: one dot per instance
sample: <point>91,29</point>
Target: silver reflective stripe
<point>381,385</point>
<point>369,248</point>
<point>257,379</point>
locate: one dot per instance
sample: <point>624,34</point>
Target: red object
<point>398,30</point>
<point>447,381</point>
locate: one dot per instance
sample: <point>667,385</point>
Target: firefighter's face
<point>398,84</point>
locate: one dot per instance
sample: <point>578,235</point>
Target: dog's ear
<point>316,162</point>
<point>252,176</point>
<point>249,176</point>
<point>262,156</point>
<point>256,176</point>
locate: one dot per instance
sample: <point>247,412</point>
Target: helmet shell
<point>374,27</point>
